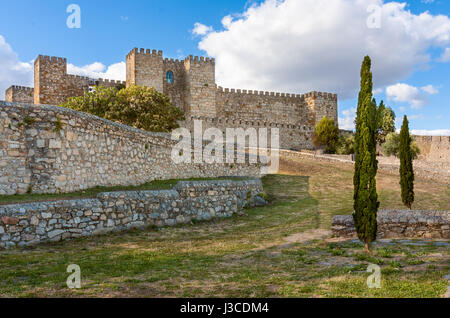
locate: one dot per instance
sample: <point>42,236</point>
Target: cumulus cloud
<point>416,97</point>
<point>347,121</point>
<point>13,71</point>
<point>445,57</point>
<point>201,29</point>
<point>99,70</point>
<point>430,89</point>
<point>303,45</point>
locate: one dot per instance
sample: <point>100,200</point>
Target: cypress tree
<point>365,192</point>
<point>406,165</point>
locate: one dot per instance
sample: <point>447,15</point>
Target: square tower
<point>145,68</point>
<point>200,88</point>
<point>50,80</point>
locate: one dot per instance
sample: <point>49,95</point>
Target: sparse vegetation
<point>58,125</point>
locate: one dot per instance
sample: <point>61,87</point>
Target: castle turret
<point>200,93</point>
<point>321,105</point>
<point>145,68</point>
<point>49,80</point>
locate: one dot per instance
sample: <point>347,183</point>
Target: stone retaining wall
<point>49,149</point>
<point>400,224</point>
<point>32,223</point>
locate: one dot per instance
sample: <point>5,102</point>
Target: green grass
<point>275,251</point>
<point>93,192</point>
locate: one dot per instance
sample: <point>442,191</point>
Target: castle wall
<point>263,107</point>
<point>291,137</point>
<point>86,152</point>
<point>434,148</point>
<point>19,94</point>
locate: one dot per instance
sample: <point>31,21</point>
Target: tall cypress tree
<point>365,191</point>
<point>406,165</point>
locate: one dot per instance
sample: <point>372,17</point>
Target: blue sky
<point>296,46</point>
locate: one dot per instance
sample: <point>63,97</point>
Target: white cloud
<point>430,89</point>
<point>347,122</point>
<point>201,29</point>
<point>406,93</point>
<point>445,57</point>
<point>98,70</point>
<point>303,45</point>
<point>12,70</point>
<point>436,132</point>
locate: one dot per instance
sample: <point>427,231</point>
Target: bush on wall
<point>137,106</point>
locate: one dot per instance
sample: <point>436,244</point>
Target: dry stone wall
<point>33,223</point>
<point>400,224</point>
<point>49,149</point>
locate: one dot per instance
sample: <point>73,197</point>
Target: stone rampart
<point>49,149</point>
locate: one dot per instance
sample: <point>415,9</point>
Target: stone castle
<point>190,85</point>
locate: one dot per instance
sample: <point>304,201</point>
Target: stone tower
<point>145,68</point>
<point>200,90</point>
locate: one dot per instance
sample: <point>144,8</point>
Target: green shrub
<point>346,144</point>
<point>137,106</point>
<point>326,135</point>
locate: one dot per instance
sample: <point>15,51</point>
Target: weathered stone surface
<point>98,153</point>
<point>59,220</point>
<point>10,220</point>
<point>398,224</point>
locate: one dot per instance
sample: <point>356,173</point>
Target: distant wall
<point>33,223</point>
<point>400,224</point>
<point>19,94</point>
<point>86,152</point>
<point>434,148</point>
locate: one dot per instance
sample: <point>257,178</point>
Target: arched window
<point>169,77</point>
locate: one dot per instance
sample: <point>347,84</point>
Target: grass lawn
<point>282,250</point>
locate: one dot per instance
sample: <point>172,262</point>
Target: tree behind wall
<point>326,135</point>
<point>365,192</point>
<point>406,165</point>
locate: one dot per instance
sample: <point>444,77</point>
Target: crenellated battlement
<point>314,94</point>
<point>146,52</point>
<point>200,59</point>
<point>21,88</point>
<point>51,59</point>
